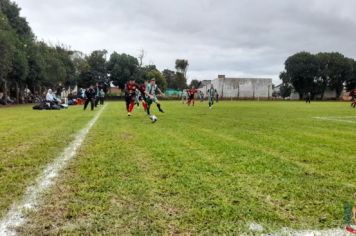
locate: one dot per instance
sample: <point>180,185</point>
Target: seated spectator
<point>50,96</point>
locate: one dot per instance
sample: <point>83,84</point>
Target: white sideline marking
<point>327,232</point>
<point>338,119</point>
<point>254,227</point>
<point>17,214</point>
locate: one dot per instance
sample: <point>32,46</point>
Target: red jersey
<point>142,89</point>
<point>192,91</point>
<point>130,88</point>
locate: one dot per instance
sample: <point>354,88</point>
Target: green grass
<point>197,171</point>
<point>29,140</point>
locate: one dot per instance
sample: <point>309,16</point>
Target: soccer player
<point>130,94</point>
<point>184,96</point>
<point>211,95</point>
<point>90,97</point>
<point>141,95</point>
<point>191,94</point>
<point>151,96</point>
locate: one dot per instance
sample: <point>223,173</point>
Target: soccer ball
<point>153,118</point>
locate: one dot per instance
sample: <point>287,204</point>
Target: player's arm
<point>126,89</point>
<point>160,92</point>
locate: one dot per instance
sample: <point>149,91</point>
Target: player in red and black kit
<point>130,93</point>
<point>191,95</point>
<point>353,98</point>
<point>142,97</point>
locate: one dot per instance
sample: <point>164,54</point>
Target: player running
<point>141,92</point>
<point>191,95</point>
<point>130,94</point>
<point>353,98</point>
<point>211,95</point>
<point>184,96</point>
<point>151,96</point>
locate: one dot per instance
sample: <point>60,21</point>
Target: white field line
<point>338,119</point>
<point>254,227</point>
<point>30,201</point>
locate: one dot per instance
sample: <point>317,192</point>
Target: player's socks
<point>132,105</point>
<point>159,108</point>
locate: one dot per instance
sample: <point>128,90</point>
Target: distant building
<point>241,87</point>
<point>114,90</point>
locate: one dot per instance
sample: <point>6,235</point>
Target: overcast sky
<point>250,38</point>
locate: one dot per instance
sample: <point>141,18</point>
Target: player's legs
<point>86,104</point>
<point>92,103</point>
<point>144,103</point>
<point>128,101</point>
<point>149,103</point>
<point>155,100</point>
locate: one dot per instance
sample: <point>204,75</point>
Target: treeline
<point>27,64</point>
<point>315,73</point>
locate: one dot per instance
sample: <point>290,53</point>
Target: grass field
<point>195,171</point>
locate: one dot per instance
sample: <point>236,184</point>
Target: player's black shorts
<point>191,97</point>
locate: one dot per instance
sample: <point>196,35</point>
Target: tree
<point>6,52</point>
<point>151,73</point>
<point>286,87</point>
<point>302,68</point>
<point>195,83</point>
<point>19,24</point>
<point>182,66</point>
<point>122,67</point>
<point>340,69</point>
<point>171,78</point>
<point>350,83</point>
<point>181,81</point>
<point>19,73</point>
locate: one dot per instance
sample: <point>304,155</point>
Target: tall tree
<point>122,67</point>
<point>171,78</point>
<point>302,69</point>
<point>195,83</point>
<point>152,72</point>
<point>182,66</point>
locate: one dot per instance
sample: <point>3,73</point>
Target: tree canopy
<point>315,73</point>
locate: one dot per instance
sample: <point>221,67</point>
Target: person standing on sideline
<point>211,95</point>
<point>101,96</point>
<point>90,97</point>
<point>308,98</point>
<point>97,94</point>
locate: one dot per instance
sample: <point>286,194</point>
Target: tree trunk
<point>322,93</point>
<point>17,93</point>
<point>5,91</point>
<point>22,94</point>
